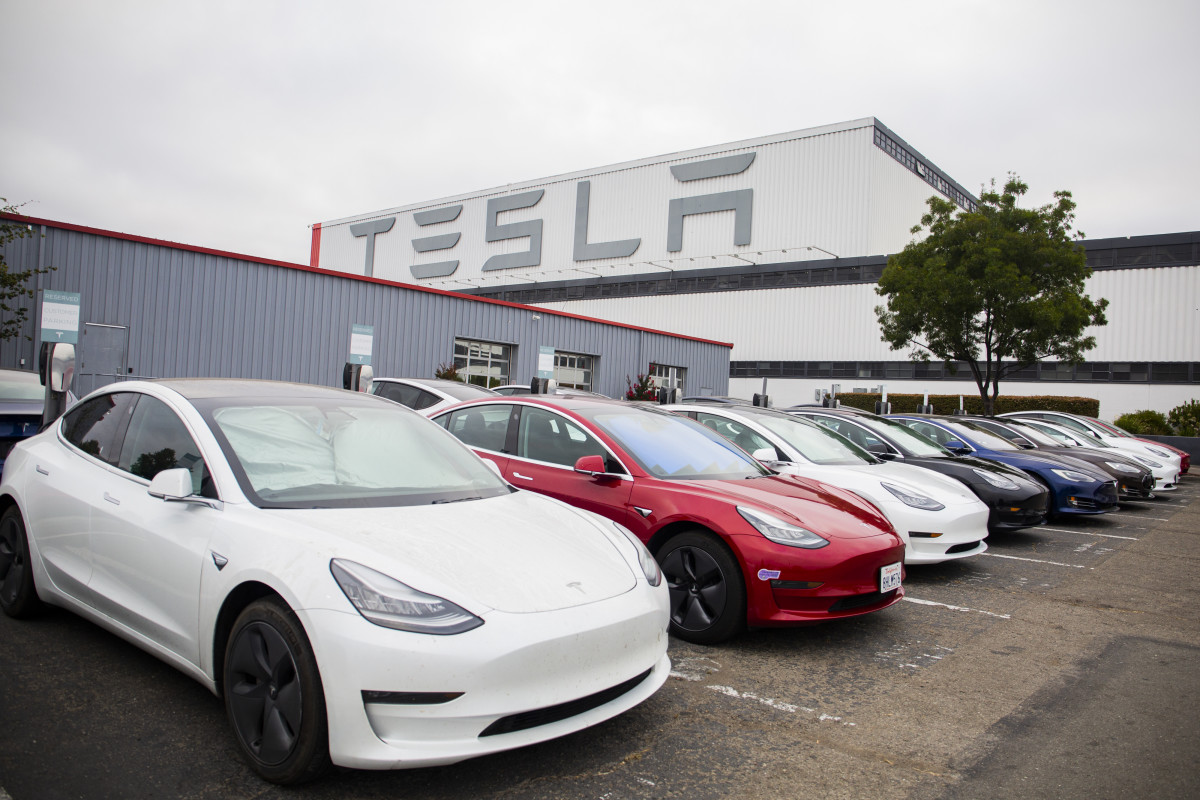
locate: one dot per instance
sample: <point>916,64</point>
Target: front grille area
<point>544,716</point>
<point>962,548</point>
<point>860,600</point>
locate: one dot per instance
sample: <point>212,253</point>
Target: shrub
<point>643,388</point>
<point>948,403</point>
<point>448,372</point>
<point>1141,423</point>
<point>1185,419</point>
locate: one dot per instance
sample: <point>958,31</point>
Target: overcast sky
<point>236,125</point>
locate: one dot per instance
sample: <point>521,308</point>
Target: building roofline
<point>129,237</point>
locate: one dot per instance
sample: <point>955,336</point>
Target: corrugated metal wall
<point>190,313</point>
<point>1151,317</point>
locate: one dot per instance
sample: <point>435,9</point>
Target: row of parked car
<point>363,590</point>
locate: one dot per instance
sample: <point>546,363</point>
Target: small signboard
<point>60,316</point>
<point>362,338</point>
<point>545,364</point>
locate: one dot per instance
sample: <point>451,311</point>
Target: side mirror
<point>171,484</point>
<point>955,446</point>
<point>765,454</point>
<point>592,465</point>
<point>175,485</point>
<point>494,467</point>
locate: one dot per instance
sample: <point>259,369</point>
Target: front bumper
<point>517,674</point>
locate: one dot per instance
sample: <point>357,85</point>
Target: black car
<point>1014,499</point>
<point>1134,481</point>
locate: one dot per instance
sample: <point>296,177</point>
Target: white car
<point>357,585</point>
<point>1159,459</point>
<point>938,518</point>
<point>427,395</point>
<point>1166,478</point>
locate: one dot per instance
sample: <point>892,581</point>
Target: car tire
<point>273,695</point>
<point>708,594</point>
<point>18,595</point>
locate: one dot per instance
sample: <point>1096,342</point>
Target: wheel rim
<point>12,561</point>
<point>264,693</point>
<point>697,588</point>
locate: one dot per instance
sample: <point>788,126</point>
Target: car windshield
<point>673,447</point>
<point>346,452</point>
<point>16,385</point>
<point>980,436</point>
<point>819,445</point>
<point>906,439</point>
<point>1035,435</point>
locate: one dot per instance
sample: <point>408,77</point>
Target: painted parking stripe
<point>1089,533</point>
<point>954,608</point>
<point>1037,561</point>
<point>1139,516</point>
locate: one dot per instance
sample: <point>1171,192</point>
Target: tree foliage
<point>999,288</point>
<point>14,286</point>
<point>643,388</point>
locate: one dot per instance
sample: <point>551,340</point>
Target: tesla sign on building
<point>835,190</point>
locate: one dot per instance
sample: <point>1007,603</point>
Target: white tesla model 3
<point>357,585</point>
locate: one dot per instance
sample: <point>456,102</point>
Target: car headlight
<point>781,532</point>
<point>1124,469</point>
<point>1149,462</point>
<point>999,481</point>
<point>645,560</point>
<point>1073,476</point>
<point>915,500</point>
<point>388,602</point>
<point>1159,453</point>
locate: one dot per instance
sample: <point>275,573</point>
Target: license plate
<point>889,577</point>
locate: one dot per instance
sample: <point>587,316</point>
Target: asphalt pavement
<point>1061,663</point>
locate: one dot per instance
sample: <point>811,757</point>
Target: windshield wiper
<point>456,500</point>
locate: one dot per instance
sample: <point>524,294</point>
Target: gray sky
<point>236,125</point>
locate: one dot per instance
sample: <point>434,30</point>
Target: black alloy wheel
<point>273,694</point>
<point>708,595</point>
<point>18,596</point>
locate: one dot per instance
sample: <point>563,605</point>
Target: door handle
<point>41,469</point>
<point>522,477</point>
<point>108,497</point>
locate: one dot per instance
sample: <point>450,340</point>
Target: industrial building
<point>775,245</point>
<point>156,309</point>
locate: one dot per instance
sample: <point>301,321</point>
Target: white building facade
<point>774,244</point>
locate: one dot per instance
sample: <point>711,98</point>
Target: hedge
<point>948,403</point>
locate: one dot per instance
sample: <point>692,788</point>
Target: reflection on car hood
<point>867,477</point>
<point>518,553</point>
<point>825,509</point>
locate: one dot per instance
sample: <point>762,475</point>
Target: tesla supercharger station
<point>56,358</point>
<point>882,406</point>
<point>357,374</point>
<point>925,407</point>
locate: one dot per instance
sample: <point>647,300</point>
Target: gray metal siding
<point>193,313</point>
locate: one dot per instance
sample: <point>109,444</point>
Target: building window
<point>573,370</point>
<point>483,363</point>
<point>666,377</point>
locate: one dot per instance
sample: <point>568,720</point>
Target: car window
<point>736,432</point>
<point>425,399</point>
<point>95,425</point>
<point>546,436</point>
<point>931,431</point>
<point>157,440</point>
<point>485,427</point>
<point>820,444</point>
<point>400,393</point>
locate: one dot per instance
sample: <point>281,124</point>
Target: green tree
<point>14,286</point>
<point>999,288</point>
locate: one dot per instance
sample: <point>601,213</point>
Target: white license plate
<point>889,577</point>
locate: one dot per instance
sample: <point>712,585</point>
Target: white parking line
<point>1139,516</point>
<point>1037,561</point>
<point>1089,533</point>
<point>954,608</point>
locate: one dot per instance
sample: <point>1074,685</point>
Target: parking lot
<point>1064,662</point>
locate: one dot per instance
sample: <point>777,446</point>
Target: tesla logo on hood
<point>576,585</point>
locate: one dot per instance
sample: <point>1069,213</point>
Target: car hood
<point>518,553</point>
<point>866,478</point>
<point>826,509</point>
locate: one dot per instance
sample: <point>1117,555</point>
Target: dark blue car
<point>22,398</point>
<point>1076,487</point>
